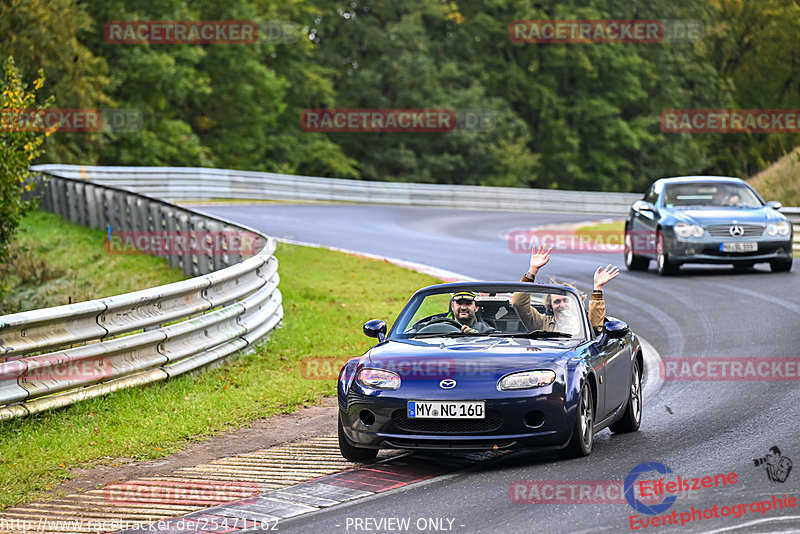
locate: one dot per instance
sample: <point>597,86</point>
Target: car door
<point>617,353</point>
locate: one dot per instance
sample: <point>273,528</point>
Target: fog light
<point>367,417</point>
<point>534,419</point>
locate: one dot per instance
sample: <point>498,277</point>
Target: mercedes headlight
<point>526,380</point>
<point>778,228</point>
<point>683,229</point>
<point>378,379</point>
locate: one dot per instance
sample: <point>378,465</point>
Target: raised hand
<point>539,257</point>
<point>604,275</point>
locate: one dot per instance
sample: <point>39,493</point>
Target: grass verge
<point>327,296</point>
<point>781,180</point>
<point>53,260</point>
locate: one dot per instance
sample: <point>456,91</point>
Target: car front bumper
<point>541,421</point>
<point>707,251</point>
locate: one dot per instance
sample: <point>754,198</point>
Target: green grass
<point>781,180</point>
<point>603,229</point>
<point>327,297</point>
<point>54,260</point>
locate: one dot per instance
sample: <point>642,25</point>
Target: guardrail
<point>793,214</point>
<point>190,183</point>
<point>197,183</point>
<point>140,337</point>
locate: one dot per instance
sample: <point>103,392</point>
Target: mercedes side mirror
<point>375,328</point>
<point>641,205</point>
<point>774,204</point>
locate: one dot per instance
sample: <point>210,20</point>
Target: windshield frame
<point>413,304</point>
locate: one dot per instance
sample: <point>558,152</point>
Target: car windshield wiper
<point>534,334</point>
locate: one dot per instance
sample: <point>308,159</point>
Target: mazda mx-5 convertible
<point>459,370</point>
<point>706,219</point>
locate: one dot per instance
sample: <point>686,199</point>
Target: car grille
<point>491,423</point>
<point>724,230</point>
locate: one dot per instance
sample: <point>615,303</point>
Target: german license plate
<point>746,246</point>
<point>446,410</point>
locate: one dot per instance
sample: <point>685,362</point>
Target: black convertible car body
<point>428,385</point>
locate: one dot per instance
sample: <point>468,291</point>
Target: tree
<point>19,145</point>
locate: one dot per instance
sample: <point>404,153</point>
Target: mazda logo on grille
<point>447,383</point>
<point>736,230</point>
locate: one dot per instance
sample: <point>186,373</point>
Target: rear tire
<point>780,266</point>
<point>632,417</point>
<point>632,261</point>
<point>351,452</point>
<point>580,444</point>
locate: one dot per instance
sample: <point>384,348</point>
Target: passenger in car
<point>558,316</point>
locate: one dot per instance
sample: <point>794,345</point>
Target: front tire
<point>780,266</point>
<point>632,417</point>
<point>580,444</point>
<point>665,266</point>
<point>351,452</point>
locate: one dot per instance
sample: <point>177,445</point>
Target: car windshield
<point>541,313</point>
<point>710,194</point>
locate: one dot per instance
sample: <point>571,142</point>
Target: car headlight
<point>526,380</point>
<point>378,379</point>
<point>683,229</point>
<point>778,228</point>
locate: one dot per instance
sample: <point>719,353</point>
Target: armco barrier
<point>56,356</point>
<point>196,183</point>
<point>190,183</point>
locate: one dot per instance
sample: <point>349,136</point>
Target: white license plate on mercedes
<point>747,246</point>
<point>446,410</point>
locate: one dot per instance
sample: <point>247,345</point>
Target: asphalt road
<point>696,428</point>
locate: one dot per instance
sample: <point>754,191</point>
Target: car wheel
<point>632,417</point>
<point>583,432</point>
<point>351,452</point>
<point>665,266</point>
<point>780,266</point>
<point>632,261</point>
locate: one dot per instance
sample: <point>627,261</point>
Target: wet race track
<point>697,428</point>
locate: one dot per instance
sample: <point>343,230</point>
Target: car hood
<point>468,354</point>
<point>707,216</point>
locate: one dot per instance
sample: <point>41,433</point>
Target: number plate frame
<point>424,409</point>
<point>739,246</point>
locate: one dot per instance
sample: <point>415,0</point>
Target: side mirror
<point>375,328</point>
<point>774,204</point>
<point>641,205</point>
<point>615,329</point>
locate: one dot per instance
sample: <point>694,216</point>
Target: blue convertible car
<point>459,370</point>
<point>706,219</point>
